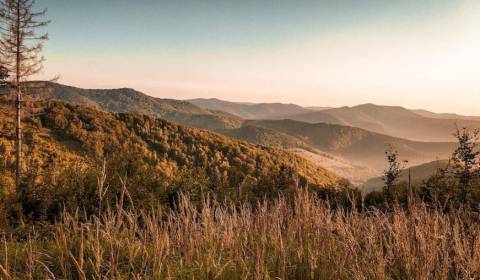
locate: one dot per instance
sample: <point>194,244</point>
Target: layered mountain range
<point>350,141</point>
<point>417,125</point>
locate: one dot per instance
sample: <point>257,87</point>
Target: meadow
<point>298,238</point>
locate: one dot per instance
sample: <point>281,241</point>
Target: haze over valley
<point>349,141</point>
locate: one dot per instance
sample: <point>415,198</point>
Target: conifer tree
<point>20,54</point>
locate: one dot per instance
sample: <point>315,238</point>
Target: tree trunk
<point>18,171</point>
<point>18,132</point>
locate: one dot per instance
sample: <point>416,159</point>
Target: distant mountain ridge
<point>416,125</point>
<point>451,116</point>
<point>394,121</point>
<point>129,100</point>
<point>252,111</point>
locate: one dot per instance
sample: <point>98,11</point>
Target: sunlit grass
<point>300,239</point>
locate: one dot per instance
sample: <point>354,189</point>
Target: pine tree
<point>20,54</point>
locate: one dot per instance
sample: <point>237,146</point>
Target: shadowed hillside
<point>358,145</point>
<point>265,137</point>
<point>357,174</point>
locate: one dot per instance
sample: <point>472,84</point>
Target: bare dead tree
<point>20,52</point>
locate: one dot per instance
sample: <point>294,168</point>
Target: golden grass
<point>301,239</point>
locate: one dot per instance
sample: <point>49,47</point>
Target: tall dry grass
<point>301,239</point>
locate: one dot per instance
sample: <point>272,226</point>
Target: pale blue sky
<point>326,53</point>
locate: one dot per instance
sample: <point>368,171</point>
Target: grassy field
<point>298,239</point>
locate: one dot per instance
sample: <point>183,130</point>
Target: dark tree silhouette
<point>391,174</point>
<point>465,159</point>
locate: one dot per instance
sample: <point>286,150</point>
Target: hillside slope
<point>63,133</point>
<point>358,145</point>
<point>129,100</point>
<point>419,174</point>
<point>265,137</point>
<point>253,111</point>
<point>357,174</point>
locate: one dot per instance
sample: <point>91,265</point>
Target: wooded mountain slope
<point>360,147</point>
<point>130,100</point>
<point>357,144</point>
<point>252,111</point>
<point>59,134</point>
<point>265,137</point>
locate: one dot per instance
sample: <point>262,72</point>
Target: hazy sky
<point>414,53</point>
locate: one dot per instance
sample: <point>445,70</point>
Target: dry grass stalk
<point>303,239</point>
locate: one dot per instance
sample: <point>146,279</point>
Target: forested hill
<point>357,144</point>
<point>151,151</point>
<point>129,100</point>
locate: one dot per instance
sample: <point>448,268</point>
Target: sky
<point>416,54</point>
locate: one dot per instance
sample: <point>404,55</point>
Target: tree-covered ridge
<point>357,144</point>
<point>68,148</point>
<point>130,100</point>
<point>165,143</point>
<point>71,131</point>
<point>265,137</point>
